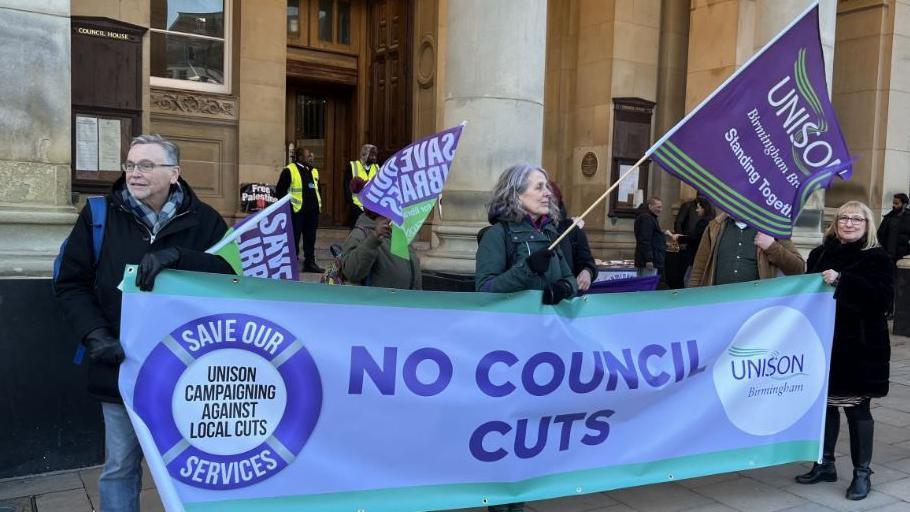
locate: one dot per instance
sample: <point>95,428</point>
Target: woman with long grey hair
<point>512,253</point>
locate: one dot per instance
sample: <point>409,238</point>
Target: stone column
<point>671,95</point>
<point>495,56</point>
<point>872,98</point>
<point>262,86</point>
<point>35,206</point>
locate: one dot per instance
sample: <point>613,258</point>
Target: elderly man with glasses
<point>153,219</point>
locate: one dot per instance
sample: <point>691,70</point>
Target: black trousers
<point>305,223</point>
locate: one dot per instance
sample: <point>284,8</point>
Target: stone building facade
<point>579,86</point>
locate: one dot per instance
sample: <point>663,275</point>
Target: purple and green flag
<point>262,245</point>
<point>409,183</point>
<point>767,138</point>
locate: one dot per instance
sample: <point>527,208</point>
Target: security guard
<point>365,169</point>
<point>301,179</point>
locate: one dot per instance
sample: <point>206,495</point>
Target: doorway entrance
<point>319,118</point>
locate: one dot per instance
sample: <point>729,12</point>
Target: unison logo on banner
<point>760,366</point>
<point>230,421</point>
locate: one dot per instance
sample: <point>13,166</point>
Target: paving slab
<point>89,478</point>
<point>831,495</point>
<point>619,507</point>
<point>694,483</point>
<point>896,507</point>
<point>778,476</point>
<point>584,503</point>
<point>149,501</point>
<point>717,507</point>
<point>899,489</point>
<point>889,434</point>
<point>884,453</point>
<point>902,465</point>
<point>889,416</point>
<point>809,507</point>
<point>43,484</point>
<point>16,505</point>
<point>882,473</point>
<point>667,497</point>
<point>63,501</point>
<point>750,495</point>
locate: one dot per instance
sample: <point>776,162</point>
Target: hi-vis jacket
<point>358,170</point>
<point>296,189</point>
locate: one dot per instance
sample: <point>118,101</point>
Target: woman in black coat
<point>705,212</point>
<point>851,260</point>
<point>575,246</point>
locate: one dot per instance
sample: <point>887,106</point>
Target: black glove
<point>539,261</point>
<point>152,264</point>
<point>103,347</point>
<point>557,291</point>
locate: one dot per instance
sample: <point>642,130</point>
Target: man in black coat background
<point>650,241</point>
<point>153,218</point>
<point>894,231</point>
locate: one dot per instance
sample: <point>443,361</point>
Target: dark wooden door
<point>319,119</point>
<point>390,94</point>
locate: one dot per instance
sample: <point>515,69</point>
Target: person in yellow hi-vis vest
<point>365,169</point>
<point>300,178</point>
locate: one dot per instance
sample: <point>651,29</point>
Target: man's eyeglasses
<point>143,166</point>
<point>851,220</point>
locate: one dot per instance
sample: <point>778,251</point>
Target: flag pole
<point>594,205</point>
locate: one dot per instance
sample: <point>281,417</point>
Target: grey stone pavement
<point>760,490</point>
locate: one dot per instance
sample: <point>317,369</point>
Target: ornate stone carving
<point>426,61</point>
<point>194,104</point>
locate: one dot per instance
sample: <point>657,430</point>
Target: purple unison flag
<point>767,138</point>
<point>415,174</point>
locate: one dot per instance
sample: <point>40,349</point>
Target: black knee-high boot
<point>862,427</point>
<point>825,472</point>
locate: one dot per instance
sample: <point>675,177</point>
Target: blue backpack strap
<point>98,210</point>
<point>98,207</point>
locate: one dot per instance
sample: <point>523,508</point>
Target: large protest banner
<point>409,183</point>
<point>406,401</point>
<point>767,138</point>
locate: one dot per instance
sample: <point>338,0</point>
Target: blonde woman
<point>851,260</point>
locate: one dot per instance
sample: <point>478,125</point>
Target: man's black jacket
<point>894,234</point>
<point>650,242</point>
<point>89,295</point>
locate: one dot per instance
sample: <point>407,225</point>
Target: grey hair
<point>512,183</point>
<point>171,149</point>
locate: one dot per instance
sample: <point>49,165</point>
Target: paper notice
<point>86,143</point>
<point>109,144</point>
<point>628,186</point>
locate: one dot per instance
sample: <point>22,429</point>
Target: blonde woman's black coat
<point>864,291</point>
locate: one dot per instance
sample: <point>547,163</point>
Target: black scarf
<point>838,256</point>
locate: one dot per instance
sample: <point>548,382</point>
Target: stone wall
<point>35,210</point>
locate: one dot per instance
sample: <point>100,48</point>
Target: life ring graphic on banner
<point>231,421</point>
